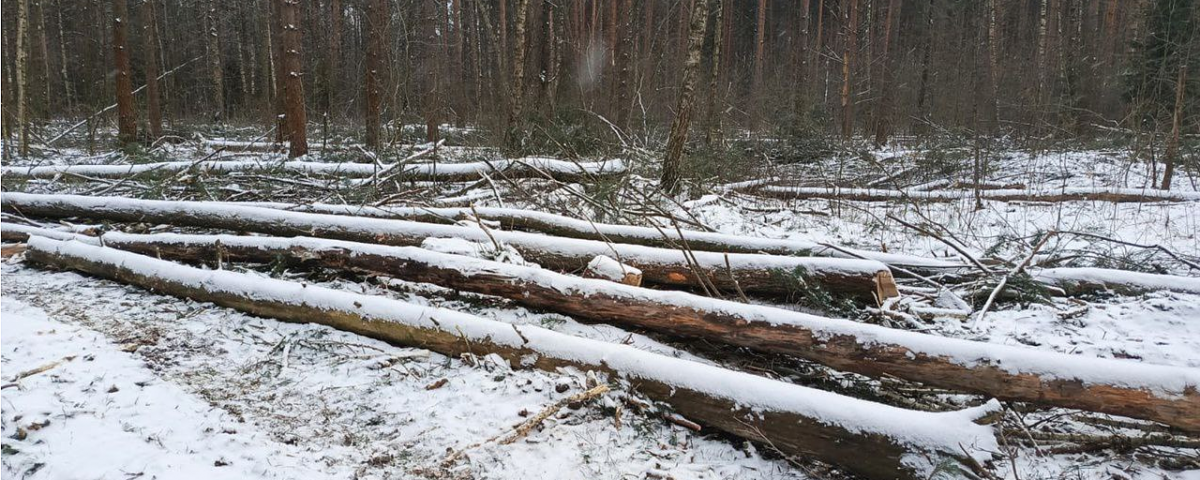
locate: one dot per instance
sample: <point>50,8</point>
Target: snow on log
<point>666,237</point>
<point>528,167</point>
<point>1122,387</point>
<point>796,420</point>
<point>1077,281</point>
<point>603,266</point>
<point>780,276</point>
<point>12,232</point>
<point>1004,195</point>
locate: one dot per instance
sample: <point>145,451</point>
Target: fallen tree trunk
<point>796,420</point>
<point>793,278</point>
<point>1003,195</point>
<point>1120,387</point>
<point>1077,281</point>
<point>529,167</point>
<point>665,237</point>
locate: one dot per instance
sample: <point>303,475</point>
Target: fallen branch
<point>780,276</point>
<point>1121,387</point>
<point>442,172</point>
<point>520,431</point>
<point>551,224</point>
<point>797,420</point>
<point>1077,281</point>
<point>1001,195</point>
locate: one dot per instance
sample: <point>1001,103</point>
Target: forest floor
<point>143,385</point>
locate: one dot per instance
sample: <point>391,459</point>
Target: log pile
<point>1001,195</point>
<point>865,281</point>
<point>593,272</point>
<point>795,420</point>
<point>528,167</point>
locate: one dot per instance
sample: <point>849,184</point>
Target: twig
<point>520,431</point>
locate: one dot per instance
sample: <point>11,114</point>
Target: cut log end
<point>885,285</point>
<point>607,268</point>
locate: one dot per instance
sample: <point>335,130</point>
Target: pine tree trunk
<point>883,117</point>
<point>23,73</point>
<point>672,162</point>
<point>517,93</point>
<point>212,43</point>
<point>712,134</point>
<point>1171,155</point>
<point>848,70</point>
<point>377,15</point>
<point>293,85</point>
<point>332,64</point>
<point>126,115</point>
<point>149,39</point>
<point>68,89</point>
<point>760,42</point>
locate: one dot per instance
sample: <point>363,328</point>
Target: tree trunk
<point>149,43</point>
<point>673,160</point>
<point>126,113</point>
<point>517,93</point>
<point>68,89</point>
<point>712,132</point>
<point>377,18</point>
<point>760,44</point>
<point>792,419</point>
<point>293,85</point>
<point>1170,157</point>
<point>212,45</point>
<point>873,351</point>
<point>883,117</point>
<point>333,63</point>
<point>23,73</point>
<point>848,70</point>
<point>792,278</point>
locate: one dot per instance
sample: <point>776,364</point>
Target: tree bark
<point>760,44</point>
<point>149,44</point>
<point>377,17</point>
<point>883,117</point>
<point>848,65</point>
<point>517,92</point>
<point>23,73</point>
<point>729,401</point>
<point>333,63</point>
<point>212,45</point>
<point>673,160</point>
<point>293,85</point>
<point>875,351</point>
<point>1171,155</point>
<point>126,114</point>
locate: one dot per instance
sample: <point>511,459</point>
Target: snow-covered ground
<point>199,385</point>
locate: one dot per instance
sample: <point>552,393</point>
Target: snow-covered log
<point>1121,387</point>
<point>528,167</point>
<point>665,237</point>
<point>1077,281</point>
<point>794,419</point>
<point>1006,195</point>
<point>781,276</point>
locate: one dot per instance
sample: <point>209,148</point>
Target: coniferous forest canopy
<point>870,68</point>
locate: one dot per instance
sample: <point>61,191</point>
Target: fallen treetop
<point>1049,195</point>
<point>1083,280</point>
<point>863,280</point>
<point>1123,387</point>
<point>796,420</point>
<point>668,237</point>
<point>536,167</point>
